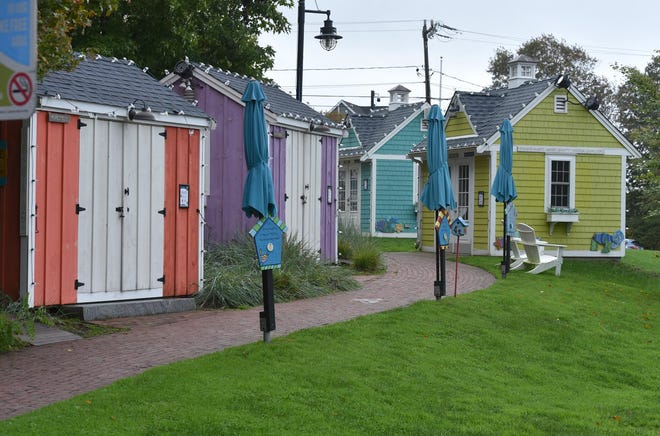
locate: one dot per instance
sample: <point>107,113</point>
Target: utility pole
<point>428,32</point>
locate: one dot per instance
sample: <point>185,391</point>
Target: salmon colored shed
<point>101,200</point>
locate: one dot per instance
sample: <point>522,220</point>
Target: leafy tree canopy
<point>159,33</point>
<point>638,100</point>
<point>556,57</point>
<point>57,20</point>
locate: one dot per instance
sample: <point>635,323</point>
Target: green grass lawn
<point>396,244</point>
<point>533,354</point>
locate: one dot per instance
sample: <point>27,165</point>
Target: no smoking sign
<point>20,89</point>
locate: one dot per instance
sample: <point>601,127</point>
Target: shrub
<point>17,318</point>
<point>232,277</point>
<point>362,250</point>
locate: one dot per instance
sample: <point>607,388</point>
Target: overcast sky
<point>388,33</point>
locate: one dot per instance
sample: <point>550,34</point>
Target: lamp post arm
<point>301,43</point>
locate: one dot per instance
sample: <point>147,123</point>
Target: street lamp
<point>328,40</point>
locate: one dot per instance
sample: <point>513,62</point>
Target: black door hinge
<point>163,134</point>
<point>77,284</point>
<point>161,279</point>
<point>81,124</point>
<point>162,211</point>
<point>79,209</point>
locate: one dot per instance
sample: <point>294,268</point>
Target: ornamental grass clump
<point>362,251</point>
<point>232,277</point>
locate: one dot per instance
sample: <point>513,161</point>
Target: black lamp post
<point>328,39</point>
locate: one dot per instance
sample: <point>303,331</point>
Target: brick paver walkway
<point>40,375</point>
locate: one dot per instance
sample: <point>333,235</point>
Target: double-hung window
<point>560,182</point>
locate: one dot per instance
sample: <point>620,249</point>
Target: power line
<point>391,67</point>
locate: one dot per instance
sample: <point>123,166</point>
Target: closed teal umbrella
<point>504,188</point>
<point>258,191</point>
<point>437,194</point>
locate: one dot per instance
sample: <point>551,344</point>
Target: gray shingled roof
<point>354,109</point>
<point>114,82</point>
<point>278,101</point>
<point>371,129</point>
<point>487,109</point>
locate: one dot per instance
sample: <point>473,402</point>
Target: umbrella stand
<point>267,317</point>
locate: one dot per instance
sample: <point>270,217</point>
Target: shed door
<point>462,181</point>
<point>303,188</point>
<point>121,231</point>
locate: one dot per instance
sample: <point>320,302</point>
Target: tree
<point>638,100</point>
<point>56,21</point>
<point>554,58</point>
<point>159,33</point>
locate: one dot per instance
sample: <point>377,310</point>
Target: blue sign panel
<point>18,58</point>
<point>15,36</point>
<point>267,234</point>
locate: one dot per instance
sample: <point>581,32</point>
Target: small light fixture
<point>318,128</point>
<point>328,37</point>
<point>592,103</point>
<point>143,115</point>
<point>184,69</point>
<point>562,81</point>
<point>329,195</point>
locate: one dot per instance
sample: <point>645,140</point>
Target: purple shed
<point>303,158</point>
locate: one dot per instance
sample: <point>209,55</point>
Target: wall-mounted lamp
<point>318,128</point>
<point>184,69</point>
<point>143,115</point>
<point>280,134</point>
<point>592,103</point>
<point>562,81</point>
<point>365,184</point>
<point>328,195</point>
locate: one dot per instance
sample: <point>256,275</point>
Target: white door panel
<point>120,232</point>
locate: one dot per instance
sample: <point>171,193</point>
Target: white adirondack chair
<point>535,252</point>
<point>518,256</point>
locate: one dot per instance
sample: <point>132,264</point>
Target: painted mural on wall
<point>607,241</point>
<point>390,225</point>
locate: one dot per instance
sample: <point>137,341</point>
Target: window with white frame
<point>560,182</point>
<point>353,190</point>
<point>561,104</point>
<point>341,188</point>
<point>463,202</point>
<point>526,70</point>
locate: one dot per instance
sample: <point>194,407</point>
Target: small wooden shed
<point>102,198</point>
<point>303,158</point>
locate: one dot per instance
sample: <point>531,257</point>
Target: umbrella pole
<point>443,278</point>
<point>267,317</point>
<point>458,248</point>
<point>504,241</point>
<point>437,284</point>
